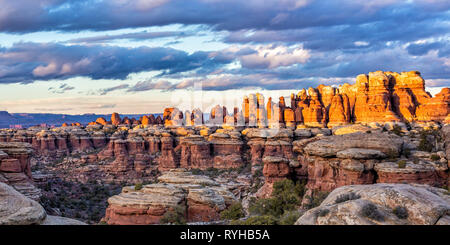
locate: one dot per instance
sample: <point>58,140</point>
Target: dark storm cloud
<point>27,62</point>
<point>38,15</point>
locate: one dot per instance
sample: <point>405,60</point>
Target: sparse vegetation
<point>426,139</point>
<point>400,212</point>
<point>257,220</point>
<point>233,212</point>
<point>323,212</point>
<point>138,186</point>
<point>392,154</point>
<point>407,153</point>
<point>396,129</point>
<point>371,211</point>
<point>401,164</point>
<point>286,196</point>
<point>281,207</point>
<point>347,197</point>
<point>289,218</point>
<point>83,201</point>
<point>176,216</point>
<point>435,157</point>
<point>317,199</point>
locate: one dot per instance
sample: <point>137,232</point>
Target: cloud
<point>110,89</point>
<point>150,85</point>
<point>44,15</point>
<point>274,56</point>
<point>27,62</point>
<point>61,89</point>
<point>136,36</point>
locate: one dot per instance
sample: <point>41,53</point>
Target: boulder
<point>375,204</point>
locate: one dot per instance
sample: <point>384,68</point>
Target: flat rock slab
<point>359,153</point>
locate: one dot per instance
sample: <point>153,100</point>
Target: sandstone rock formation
<point>200,198</point>
<point>16,209</point>
<point>15,168</point>
<point>382,204</point>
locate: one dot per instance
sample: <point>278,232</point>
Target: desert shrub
<point>258,173</point>
<point>347,197</point>
<point>175,216</point>
<point>316,199</point>
<point>196,171</point>
<point>370,211</point>
<point>289,217</point>
<point>400,212</point>
<point>233,212</point>
<point>285,197</point>
<point>257,220</point>
<point>425,143</point>
<point>323,212</point>
<point>396,129</point>
<point>138,186</point>
<point>435,157</point>
<point>401,164</point>
<point>392,154</point>
<point>407,152</point>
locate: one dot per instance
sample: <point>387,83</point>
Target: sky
<point>140,56</point>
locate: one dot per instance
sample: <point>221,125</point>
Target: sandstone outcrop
<point>199,197</point>
<point>17,209</point>
<point>382,204</point>
<point>15,168</point>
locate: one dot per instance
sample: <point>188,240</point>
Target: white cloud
<point>272,56</point>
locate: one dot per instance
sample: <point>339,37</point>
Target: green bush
<point>175,216</point>
<point>138,186</point>
<point>401,164</point>
<point>392,154</point>
<point>397,130</point>
<point>425,143</point>
<point>400,212</point>
<point>435,157</point>
<point>370,211</point>
<point>257,220</point>
<point>233,212</point>
<point>323,212</point>
<point>316,199</point>
<point>347,197</point>
<point>286,196</point>
<point>289,217</point>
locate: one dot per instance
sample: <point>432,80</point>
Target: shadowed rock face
<point>422,205</point>
<point>199,197</point>
<point>15,169</point>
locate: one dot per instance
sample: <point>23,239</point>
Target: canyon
<point>384,129</point>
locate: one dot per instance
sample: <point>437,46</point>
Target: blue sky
<point>94,56</point>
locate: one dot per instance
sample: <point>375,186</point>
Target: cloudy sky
<point>139,56</point>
